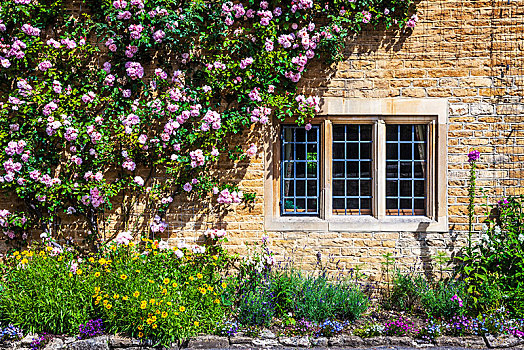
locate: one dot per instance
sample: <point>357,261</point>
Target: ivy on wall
<point>89,101</point>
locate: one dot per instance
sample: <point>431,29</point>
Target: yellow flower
<point>152,301</point>
<point>203,291</point>
<point>131,244</point>
<point>18,257</point>
<point>140,327</point>
<point>164,314</point>
<point>175,285</point>
<point>217,301</point>
<point>124,277</point>
<point>125,297</point>
<point>143,305</point>
<point>149,321</point>
<point>97,302</point>
<point>169,303</point>
<point>140,334</point>
<point>155,253</point>
<point>113,248</point>
<point>105,302</point>
<point>116,296</point>
<point>215,257</point>
<point>199,276</point>
<point>24,261</point>
<point>154,326</point>
<point>151,281</point>
<point>98,298</point>
<point>137,271</point>
<point>60,258</point>
<point>91,260</point>
<point>209,288</point>
<point>176,313</point>
<point>158,311</point>
<point>166,280</point>
<point>164,291</point>
<point>16,253</point>
<point>136,294</point>
<point>224,285</point>
<point>196,323</point>
<point>153,318</point>
<point>182,309</point>
<point>102,261</point>
<point>97,274</point>
<point>191,278</point>
<point>97,290</point>
<point>48,248</point>
<point>108,306</point>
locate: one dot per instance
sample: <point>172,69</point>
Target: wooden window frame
<point>378,112</point>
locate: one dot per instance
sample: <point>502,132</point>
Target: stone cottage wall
<point>468,52</point>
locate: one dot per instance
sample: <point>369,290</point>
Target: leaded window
<point>300,170</point>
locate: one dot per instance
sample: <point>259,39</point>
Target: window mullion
<point>379,169</point>
<point>326,208</point>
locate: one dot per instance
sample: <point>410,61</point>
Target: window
<point>360,168</point>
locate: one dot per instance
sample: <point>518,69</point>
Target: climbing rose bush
<point>98,103</point>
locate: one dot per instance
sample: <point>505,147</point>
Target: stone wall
<point>468,52</point>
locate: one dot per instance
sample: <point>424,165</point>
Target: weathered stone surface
<point>267,334</point>
<point>449,341</point>
<point>336,341</point>
<point>375,341</point>
<point>240,340</point>
<point>27,340</point>
<point>503,341</point>
<point>353,341</point>
<point>208,342</point>
<point>302,342</point>
<point>55,344</point>
<point>402,341</point>
<point>265,343</point>
<point>117,341</point>
<point>97,343</point>
<point>473,342</point>
<point>69,340</point>
<point>321,342</point>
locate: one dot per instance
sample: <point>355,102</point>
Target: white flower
<point>124,238</point>
<point>163,245</point>
<point>179,253</point>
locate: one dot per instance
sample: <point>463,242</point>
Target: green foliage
<point>319,299</point>
<point>256,307</point>
<point>369,330</point>
<point>405,292</point>
<point>147,293</point>
<point>439,301</point>
<point>40,294</point>
<point>494,267</point>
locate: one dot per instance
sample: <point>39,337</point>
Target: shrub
<point>256,307</point>
<point>406,291</point>
<point>444,299</point>
<point>400,327</point>
<point>285,284</point>
<point>46,292</point>
<point>163,295</point>
<point>319,300</point>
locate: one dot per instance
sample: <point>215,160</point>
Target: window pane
<point>405,169</point>
<point>352,184</point>
<point>299,170</point>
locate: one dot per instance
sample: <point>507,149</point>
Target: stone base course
<point>268,340</point>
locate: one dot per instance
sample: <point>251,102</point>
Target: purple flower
<point>473,156</point>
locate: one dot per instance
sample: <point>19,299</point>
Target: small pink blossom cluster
<point>95,135</point>
<point>254,95</point>
<point>227,197</point>
<point>312,102</point>
<point>131,50</point>
<point>260,114</point>
<point>89,176</point>
<point>159,72</point>
<point>158,225</point>
<point>124,15</point>
<point>15,147</point>
<point>24,88</point>
<point>71,134</point>
<point>197,158</point>
<point>96,197</point>
<point>135,31</point>
<point>49,108</point>
<point>214,233</point>
<point>412,22</point>
<point>30,30</point>
<point>110,44</point>
<point>265,16</point>
<point>252,151</point>
<point>216,65</point>
<point>44,65</point>
<point>457,299</point>
<point>124,238</point>
<point>301,5</point>
<point>134,70</point>
<point>211,118</point>
<point>246,62</point>
<point>89,97</point>
<point>158,36</point>
<point>129,164</point>
<point>44,179</point>
<point>366,16</point>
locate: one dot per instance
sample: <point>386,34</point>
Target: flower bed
<point>164,296</point>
